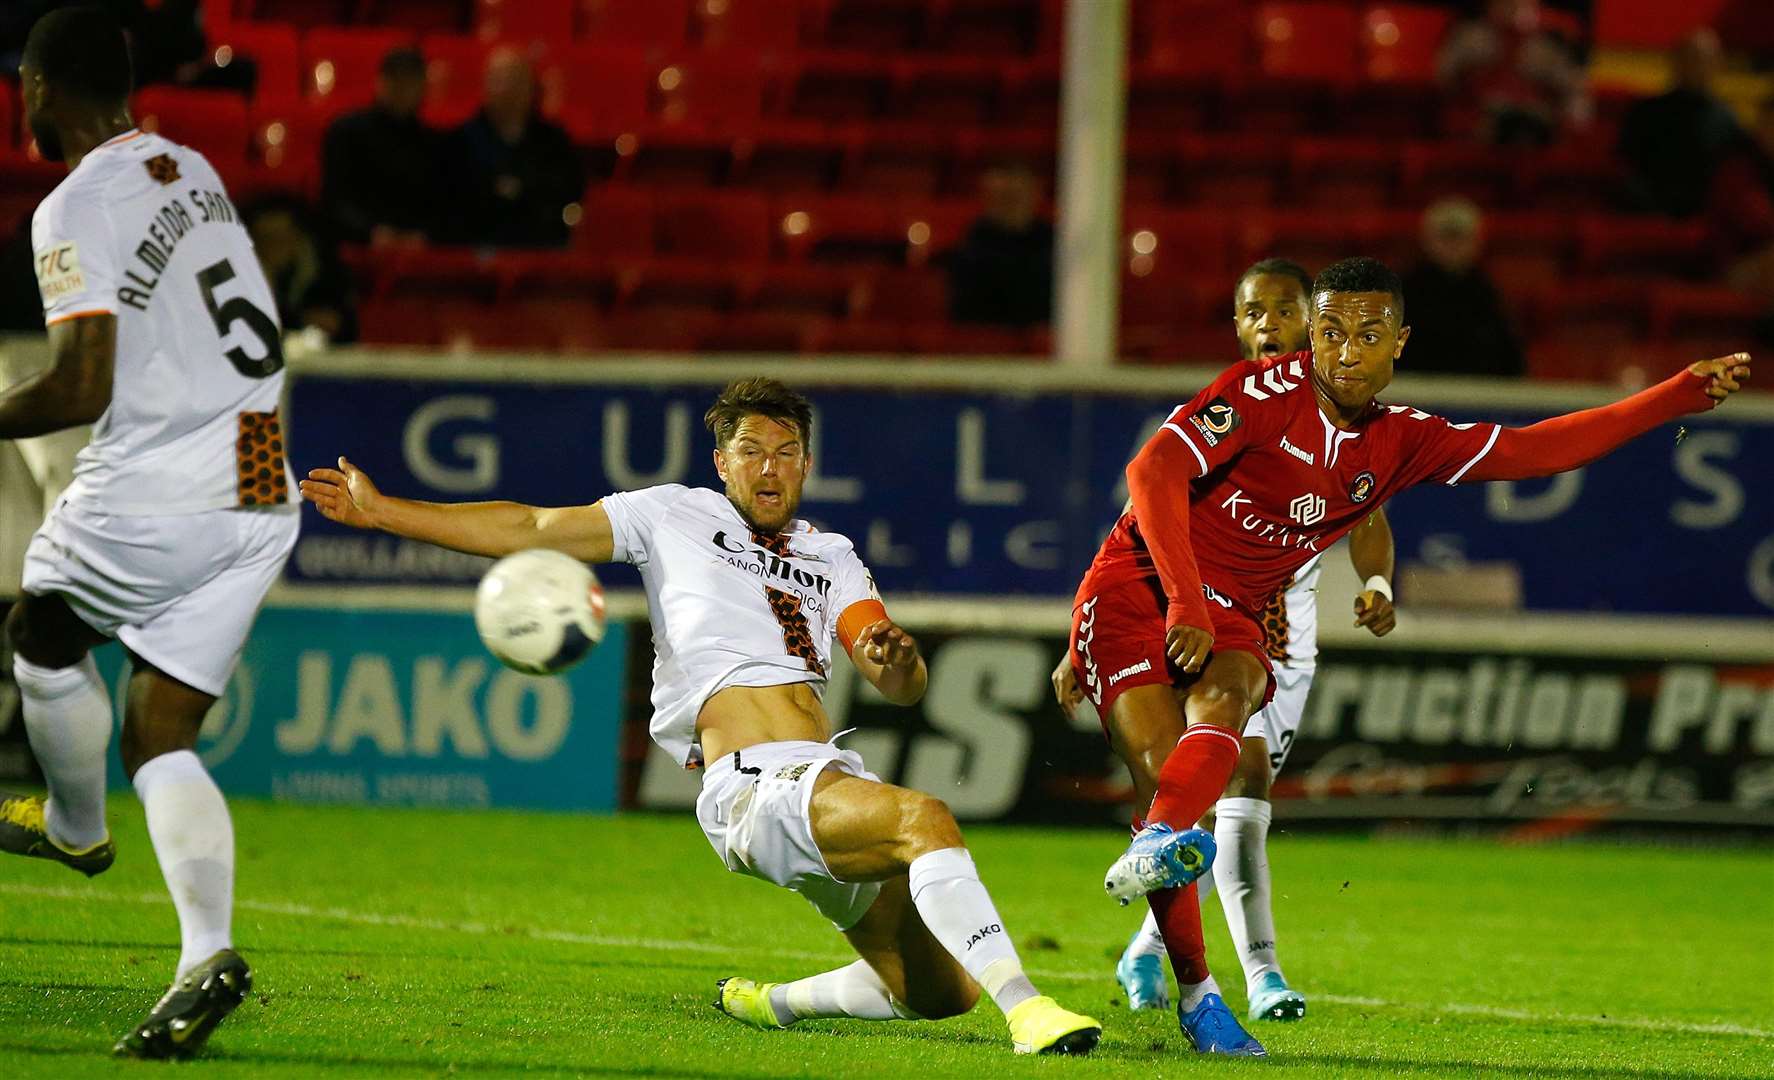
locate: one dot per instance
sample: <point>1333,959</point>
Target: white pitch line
<point>408,922</point>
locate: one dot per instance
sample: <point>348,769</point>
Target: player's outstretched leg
<point>869,831</point>
<point>193,838</point>
<point>68,721</point>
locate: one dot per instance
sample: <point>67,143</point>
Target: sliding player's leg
<point>887,866</point>
<point>68,721</point>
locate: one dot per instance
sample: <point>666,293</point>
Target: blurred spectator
<point>313,290</point>
<point>1675,142</point>
<point>1526,82</point>
<point>1454,312</point>
<point>1740,213</point>
<point>380,166</point>
<point>519,170</point>
<point>1001,274</point>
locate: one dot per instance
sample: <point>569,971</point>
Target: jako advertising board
<point>406,708</point>
<point>969,492</point>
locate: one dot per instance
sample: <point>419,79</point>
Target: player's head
<point>1453,234</point>
<point>1357,330</point>
<point>510,87</point>
<point>761,429</point>
<point>400,81</point>
<point>1269,308</point>
<point>75,67</point>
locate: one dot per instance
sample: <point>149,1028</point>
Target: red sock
<point>1194,775</point>
<point>1179,919</point>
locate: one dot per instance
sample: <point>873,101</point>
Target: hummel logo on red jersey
<point>1296,451</point>
<point>1272,379</point>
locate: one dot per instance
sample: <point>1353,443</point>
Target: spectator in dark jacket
<point>1001,274</point>
<point>380,166</point>
<point>313,290</point>
<point>1675,142</point>
<point>520,172</point>
<point>1455,314</point>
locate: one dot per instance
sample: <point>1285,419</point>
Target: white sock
<point>1150,940</point>
<point>194,840</point>
<point>854,991</point>
<point>1190,995</point>
<point>68,720</point>
<point>1242,871</point>
<point>953,903</point>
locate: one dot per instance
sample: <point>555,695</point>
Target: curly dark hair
<point>1280,268</point>
<point>1360,274</point>
<point>81,51</point>
<point>759,395</point>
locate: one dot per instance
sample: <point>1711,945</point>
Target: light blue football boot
<point>1212,1029</point>
<point>1159,858</point>
<point>1141,976</point>
<point>1270,999</point>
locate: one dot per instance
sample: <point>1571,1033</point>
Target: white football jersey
<point>1291,621</point>
<point>142,229</point>
<point>726,609</point>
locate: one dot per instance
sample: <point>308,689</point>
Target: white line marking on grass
<point>408,922</point>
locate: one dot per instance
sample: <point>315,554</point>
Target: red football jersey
<point>1278,483</point>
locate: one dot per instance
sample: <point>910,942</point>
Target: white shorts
<point>754,810</point>
<point>1278,722</point>
<point>179,591</point>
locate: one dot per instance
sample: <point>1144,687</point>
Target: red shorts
<point>1118,641</point>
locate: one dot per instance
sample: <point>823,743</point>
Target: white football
<point>539,611</point>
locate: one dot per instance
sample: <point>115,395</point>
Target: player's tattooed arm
<point>888,657</point>
<point>1371,552</point>
<point>347,495</point>
<point>74,389</point>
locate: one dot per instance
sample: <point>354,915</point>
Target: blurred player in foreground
<point>163,335</point>
<point>745,600</point>
<point>1266,467</point>
<point>1269,308</point>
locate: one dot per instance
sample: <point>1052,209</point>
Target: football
<point>539,611</point>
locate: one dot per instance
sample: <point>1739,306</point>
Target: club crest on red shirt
<point>1361,487</point>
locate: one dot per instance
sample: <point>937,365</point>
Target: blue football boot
<point>1212,1029</point>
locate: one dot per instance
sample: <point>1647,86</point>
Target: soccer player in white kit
<point>745,601</point>
<point>1270,306</point>
<point>163,335</point>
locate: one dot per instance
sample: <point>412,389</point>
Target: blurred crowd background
<point>1581,189</point>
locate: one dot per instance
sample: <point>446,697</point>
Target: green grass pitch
<point>419,943</point>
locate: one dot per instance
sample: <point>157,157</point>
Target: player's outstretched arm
<point>1571,441</point>
<point>348,496</point>
<point>74,389</point>
<point>888,657</point>
<point>1371,552</point>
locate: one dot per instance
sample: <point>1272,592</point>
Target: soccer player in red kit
<point>1261,471</point>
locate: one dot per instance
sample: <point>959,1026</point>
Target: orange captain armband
<point>856,618</point>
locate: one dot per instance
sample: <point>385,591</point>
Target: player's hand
<point>1375,612</point>
<point>1065,687</point>
<point>1725,375</point>
<point>344,495</point>
<point>1188,646</point>
<point>886,644</point>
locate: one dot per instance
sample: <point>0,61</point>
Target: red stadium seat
<point>595,93</point>
<point>213,122</point>
<point>1706,312</point>
<point>1164,101</point>
<point>441,275</point>
<point>276,52</point>
<point>1484,174</point>
<point>949,339</point>
<point>980,149</point>
<point>762,27</point>
<point>681,285</point>
<point>1591,311</point>
<point>687,156</point>
<point>659,329</point>
<point>1181,241</point>
<point>1399,42</point>
<point>901,161</point>
<point>722,91</point>
<point>757,332</point>
<point>1208,40</point>
<point>409,321</point>
<point>420,16</point>
<point>724,225</point>
<point>615,222</point>
<point>1306,42</point>
<point>839,229</point>
<point>809,290</point>
<point>838,88</point>
<point>1571,178</point>
<point>990,28</point>
<point>1342,173</point>
<point>1150,300</point>
<point>878,26</point>
<point>655,24</point>
<point>1525,250</point>
<point>1030,97</point>
<point>340,65</point>
<point>9,117</point>
<point>885,337</point>
<point>945,90</point>
<point>549,21</point>
<point>1232,170</point>
<point>911,296</point>
<point>789,156</point>
<point>931,228</point>
<point>1651,247</point>
<point>303,14</point>
<point>287,137</point>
